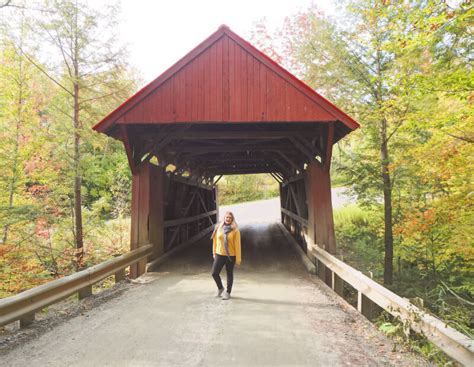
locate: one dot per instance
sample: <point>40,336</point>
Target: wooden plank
<point>201,92</point>
<point>294,216</point>
<point>250,88</point>
<point>195,91</point>
<point>176,222</point>
<point>237,84</point>
<point>244,115</point>
<point>219,81</point>
<point>263,101</point>
<point>212,116</point>
<point>226,100</point>
<point>188,93</point>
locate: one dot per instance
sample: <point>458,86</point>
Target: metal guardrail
<point>455,344</point>
<point>24,305</point>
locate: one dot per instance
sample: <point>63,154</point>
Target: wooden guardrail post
<point>85,292</point>
<point>27,320</point>
<point>337,284</point>
<point>119,275</point>
<point>365,306</point>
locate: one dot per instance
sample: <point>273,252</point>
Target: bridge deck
<point>279,315</point>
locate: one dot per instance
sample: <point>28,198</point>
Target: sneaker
<point>226,296</point>
<point>219,292</point>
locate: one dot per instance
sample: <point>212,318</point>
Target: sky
<point>160,32</point>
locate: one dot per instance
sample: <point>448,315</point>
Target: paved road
<point>265,211</point>
<point>279,316</point>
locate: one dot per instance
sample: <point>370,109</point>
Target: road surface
<point>279,315</point>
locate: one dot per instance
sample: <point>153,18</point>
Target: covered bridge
<point>225,108</point>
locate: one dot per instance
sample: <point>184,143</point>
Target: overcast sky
<point>160,32</point>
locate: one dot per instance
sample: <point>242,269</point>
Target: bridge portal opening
<point>225,109</point>
<point>239,193</point>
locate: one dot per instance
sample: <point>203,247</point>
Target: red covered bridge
<point>225,108</point>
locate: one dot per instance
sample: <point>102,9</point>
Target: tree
<point>390,65</point>
<point>19,118</point>
<point>86,69</point>
<point>353,67</point>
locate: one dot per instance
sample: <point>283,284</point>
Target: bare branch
<point>42,70</point>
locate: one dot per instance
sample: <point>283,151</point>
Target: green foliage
<point>241,188</point>
<point>37,151</point>
<point>360,238</point>
<point>404,70</point>
<point>399,332</point>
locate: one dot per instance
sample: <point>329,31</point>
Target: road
<point>264,211</point>
<point>279,315</point>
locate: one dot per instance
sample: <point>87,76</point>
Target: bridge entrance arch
<point>225,108</point>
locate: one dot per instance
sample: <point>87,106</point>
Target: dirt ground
<point>278,315</point>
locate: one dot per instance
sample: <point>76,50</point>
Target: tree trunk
<point>77,157</point>
<point>19,120</point>
<point>387,198</point>
<point>77,182</point>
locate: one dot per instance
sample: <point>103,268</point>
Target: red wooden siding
<point>226,83</point>
<point>225,79</point>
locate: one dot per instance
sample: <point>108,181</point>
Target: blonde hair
<point>221,224</point>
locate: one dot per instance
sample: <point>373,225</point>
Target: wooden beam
<point>277,179</point>
<point>177,222</point>
<point>293,164</point>
<point>329,143</point>
<point>292,215</point>
<point>302,148</point>
<point>204,206</point>
<point>166,140</point>
<point>256,134</point>
<point>295,200</point>
<point>308,145</point>
<point>216,149</point>
<point>128,148</point>
<point>218,179</point>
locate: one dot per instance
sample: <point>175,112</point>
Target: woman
<point>226,251</point>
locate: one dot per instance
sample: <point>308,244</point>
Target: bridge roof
<point>226,80</point>
<point>226,108</point>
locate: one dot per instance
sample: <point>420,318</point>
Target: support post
<point>85,292</point>
<point>147,212</point>
<point>27,320</point>
<point>320,216</point>
<point>365,306</point>
<point>215,193</point>
<point>337,284</point>
<point>120,275</point>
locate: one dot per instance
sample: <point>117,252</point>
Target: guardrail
<point>24,305</point>
<point>455,344</point>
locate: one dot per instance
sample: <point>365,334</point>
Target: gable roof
<point>226,79</point>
